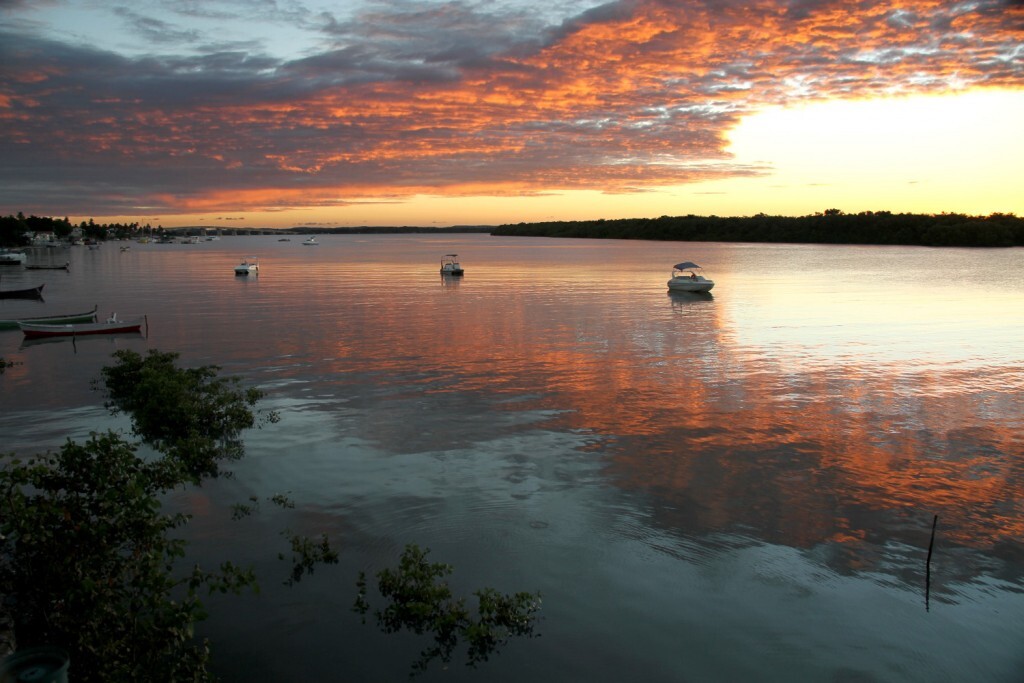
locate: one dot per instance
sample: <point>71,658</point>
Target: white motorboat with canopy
<point>450,265</point>
<point>687,277</point>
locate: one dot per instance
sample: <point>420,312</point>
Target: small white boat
<point>250,265</point>
<point>686,277</point>
<point>12,257</point>
<point>311,242</point>
<point>450,265</point>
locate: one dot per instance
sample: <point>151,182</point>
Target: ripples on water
<point>728,487</point>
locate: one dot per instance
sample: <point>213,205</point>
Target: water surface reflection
<point>683,477</point>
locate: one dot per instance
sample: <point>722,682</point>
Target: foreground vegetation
<point>89,561</point>
<point>830,227</point>
<point>419,600</point>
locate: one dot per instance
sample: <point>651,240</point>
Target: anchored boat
<point>111,325</point>
<point>31,293</point>
<point>450,265</point>
<point>687,277</point>
<point>87,317</point>
<point>250,265</point>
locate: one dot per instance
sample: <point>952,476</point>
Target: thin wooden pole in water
<point>928,567</point>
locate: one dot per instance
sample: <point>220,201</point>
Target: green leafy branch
<point>419,600</point>
<point>191,415</point>
<point>87,557</point>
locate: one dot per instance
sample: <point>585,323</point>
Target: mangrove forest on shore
<point>829,227</point>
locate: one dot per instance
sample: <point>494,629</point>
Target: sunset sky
<point>279,113</point>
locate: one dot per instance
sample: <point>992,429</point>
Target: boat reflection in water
<point>681,299</point>
<point>115,341</point>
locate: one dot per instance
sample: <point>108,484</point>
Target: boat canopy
<point>685,265</point>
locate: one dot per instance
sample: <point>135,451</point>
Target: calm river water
<point>731,488</point>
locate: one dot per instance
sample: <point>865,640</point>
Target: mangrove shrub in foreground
<point>89,563</point>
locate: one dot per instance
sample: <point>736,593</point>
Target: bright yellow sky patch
<point>957,153</point>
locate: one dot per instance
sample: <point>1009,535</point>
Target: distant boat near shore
<point>36,266</point>
<point>11,258</point>
<point>250,265</point>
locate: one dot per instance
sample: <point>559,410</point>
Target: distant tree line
<point>829,227</point>
<point>385,230</point>
<point>17,231</point>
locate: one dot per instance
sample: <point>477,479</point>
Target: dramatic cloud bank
<point>449,98</point>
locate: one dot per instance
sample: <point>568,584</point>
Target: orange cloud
<point>629,95</point>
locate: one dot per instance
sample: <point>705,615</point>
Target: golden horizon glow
<point>953,153</point>
<point>956,153</point>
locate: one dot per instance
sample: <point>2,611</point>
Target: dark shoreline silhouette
<point>830,227</point>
